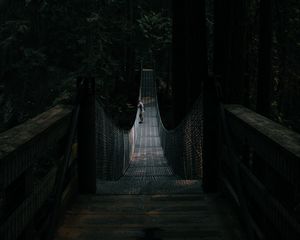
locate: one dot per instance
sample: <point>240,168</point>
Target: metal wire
<point>182,146</point>
<point>114,146</point>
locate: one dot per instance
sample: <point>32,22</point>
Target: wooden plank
<point>13,138</point>
<point>180,216</point>
<point>25,143</point>
<point>280,135</point>
<point>274,143</point>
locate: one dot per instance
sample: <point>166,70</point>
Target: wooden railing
<point>261,169</point>
<point>30,155</point>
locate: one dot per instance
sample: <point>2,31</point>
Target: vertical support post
<point>87,138</point>
<point>210,136</point>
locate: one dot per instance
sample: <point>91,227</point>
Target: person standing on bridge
<point>141,110</point>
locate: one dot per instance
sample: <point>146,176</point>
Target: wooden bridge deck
<point>149,201</point>
<point>158,216</point>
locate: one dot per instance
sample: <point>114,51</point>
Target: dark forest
<point>149,119</point>
<point>45,45</point>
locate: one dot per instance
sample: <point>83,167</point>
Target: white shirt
<point>141,107</point>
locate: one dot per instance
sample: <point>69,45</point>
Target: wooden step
<point>161,216</point>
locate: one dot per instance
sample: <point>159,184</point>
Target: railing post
<point>87,139</point>
<point>210,136</point>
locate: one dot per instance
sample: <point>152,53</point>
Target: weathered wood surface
<point>276,133</point>
<point>161,216</point>
<point>277,147</point>
<point>25,186</point>
<point>14,138</point>
<point>22,145</point>
<point>269,167</point>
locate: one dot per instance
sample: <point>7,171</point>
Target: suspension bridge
<point>146,182</point>
<point>149,201</point>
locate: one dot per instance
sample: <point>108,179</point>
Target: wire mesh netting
<point>114,146</point>
<point>148,151</point>
<point>183,145</point>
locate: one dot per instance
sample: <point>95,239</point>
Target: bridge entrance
<point>149,201</point>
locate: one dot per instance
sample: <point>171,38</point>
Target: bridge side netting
<point>183,145</point>
<point>114,146</point>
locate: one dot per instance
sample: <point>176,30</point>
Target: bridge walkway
<point>149,201</point>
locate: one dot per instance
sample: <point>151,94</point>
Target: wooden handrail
<point>269,166</point>
<point>20,148</point>
<point>235,165</point>
<point>21,193</point>
<point>65,164</point>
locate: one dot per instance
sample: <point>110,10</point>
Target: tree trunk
<point>264,85</point>
<point>230,45</point>
<point>189,54</point>
<point>236,75</point>
<point>179,84</point>
<point>196,50</point>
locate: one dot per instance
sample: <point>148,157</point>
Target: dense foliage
<point>286,60</point>
<point>284,87</point>
<point>45,45</point>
